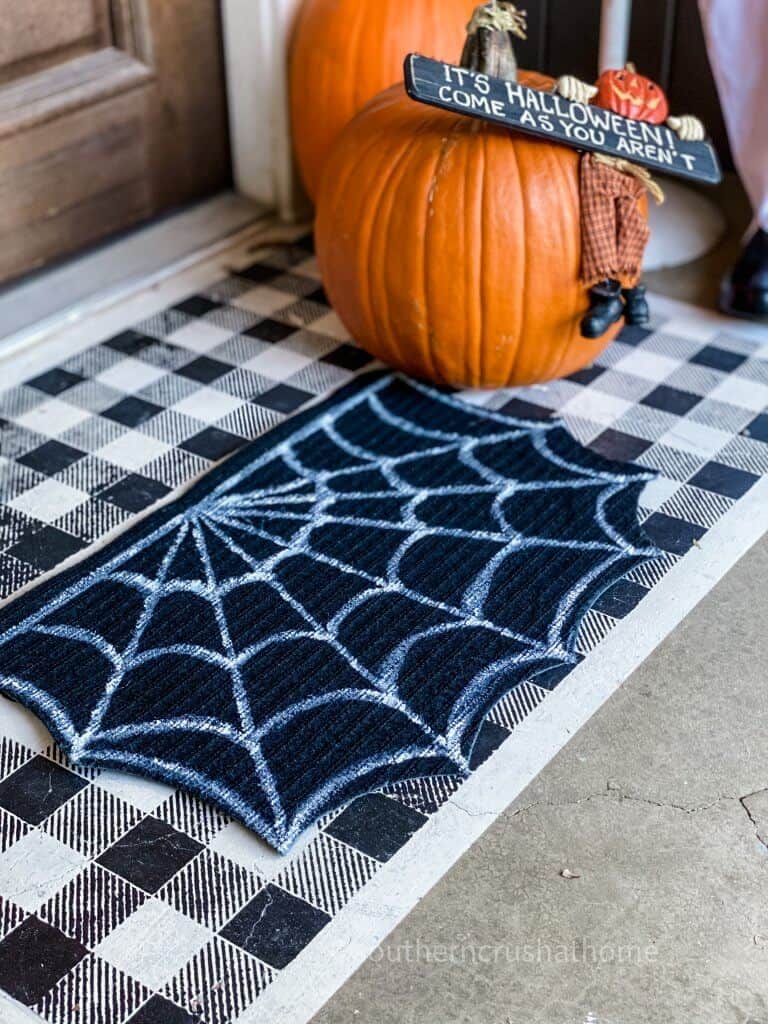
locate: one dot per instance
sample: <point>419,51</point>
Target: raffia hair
<point>499,16</point>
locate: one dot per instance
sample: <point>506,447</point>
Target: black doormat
<point>334,609</point>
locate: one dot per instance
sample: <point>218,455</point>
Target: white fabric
<point>737,40</point>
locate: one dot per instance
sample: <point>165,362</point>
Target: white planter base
<point>684,228</point>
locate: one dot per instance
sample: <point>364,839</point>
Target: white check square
<point>53,417</point>
<point>650,365</point>
<point>200,336</point>
<point>131,375</point>
<point>331,325</point>
<point>49,500</point>
<point>133,450</point>
<point>208,405</point>
<point>749,394</point>
<point>263,300</point>
<point>244,847</point>
<point>657,491</point>
<point>153,944</point>
<point>278,363</point>
<point>35,868</point>
<point>597,406</point>
<point>690,436</point>
<point>146,794</point>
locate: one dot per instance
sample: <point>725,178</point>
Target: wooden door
<point>110,111</point>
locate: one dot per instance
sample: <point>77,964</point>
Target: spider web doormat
<point>335,609</point>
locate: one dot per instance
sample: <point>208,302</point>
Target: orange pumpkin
<point>344,52</point>
<point>632,95</point>
<point>451,247</point>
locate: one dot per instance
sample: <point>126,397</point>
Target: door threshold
<point>35,307</point>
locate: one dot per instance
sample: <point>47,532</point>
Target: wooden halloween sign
<point>626,120</point>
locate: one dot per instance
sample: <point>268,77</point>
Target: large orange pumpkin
<point>344,52</point>
<point>451,248</point>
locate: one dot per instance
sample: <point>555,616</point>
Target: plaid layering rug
<point>129,902</point>
<point>335,609</point>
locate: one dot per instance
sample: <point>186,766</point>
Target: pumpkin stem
<point>490,48</point>
<point>629,66</point>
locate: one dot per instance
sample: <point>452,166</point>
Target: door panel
<point>123,116</point>
<point>40,33</point>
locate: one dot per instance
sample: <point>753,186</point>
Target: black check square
<point>275,926</point>
<point>283,398</point>
<point>38,788</point>
<point>523,410</point>
<point>270,331</point>
<point>718,359</point>
<point>722,479</point>
<point>196,305</point>
<point>671,400</point>
<point>620,599</point>
<point>52,457</point>
<point>55,381</point>
<point>132,411</point>
<point>130,343</point>
<point>46,547</point>
<point>259,273</point>
<point>631,335</point>
<point>488,741</point>
<point>134,492</point>
<point>376,825</point>
<point>348,357</point>
<point>673,535</point>
<point>159,1010</point>
<point>758,428</point>
<point>586,376</point>
<point>213,444</point>
<point>318,295</point>
<point>150,854</point>
<point>614,444</point>
<point>34,957</point>
<point>204,370</point>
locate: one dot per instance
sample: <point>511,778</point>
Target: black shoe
<point>745,293</point>
<point>636,310</point>
<point>605,309</point>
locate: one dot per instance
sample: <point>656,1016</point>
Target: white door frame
<point>256,34</point>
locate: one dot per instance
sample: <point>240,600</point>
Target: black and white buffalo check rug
<point>117,894</point>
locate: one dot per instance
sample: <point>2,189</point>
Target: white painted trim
<point>351,937</point>
<point>256,36</point>
<point>614,33</point>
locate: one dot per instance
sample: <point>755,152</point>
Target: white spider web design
<point>336,613</point>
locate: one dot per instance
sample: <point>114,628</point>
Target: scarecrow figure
<point>614,232</point>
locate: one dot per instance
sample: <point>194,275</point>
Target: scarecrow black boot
<point>636,310</point>
<point>605,308</point>
<point>745,293</point>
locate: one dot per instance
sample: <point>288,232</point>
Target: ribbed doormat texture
<point>335,608</point>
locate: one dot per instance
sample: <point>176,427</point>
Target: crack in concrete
<point>755,824</point>
<point>618,795</point>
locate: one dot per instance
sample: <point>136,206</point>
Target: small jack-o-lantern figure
<point>632,95</point>
<point>614,232</point>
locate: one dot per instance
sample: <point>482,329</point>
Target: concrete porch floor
<point>659,805</point>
